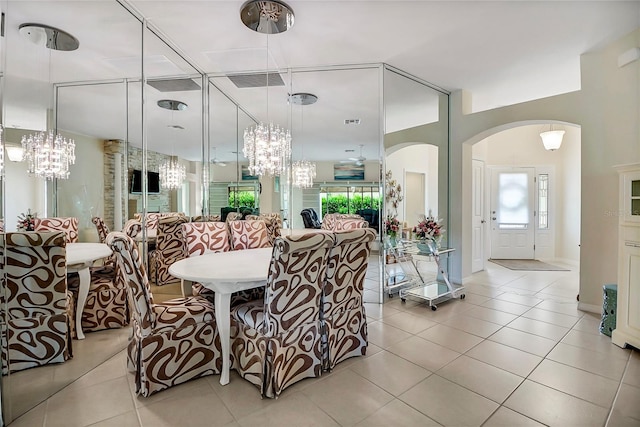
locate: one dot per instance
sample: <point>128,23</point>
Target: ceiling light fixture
<point>268,147</point>
<point>303,172</point>
<point>172,173</point>
<point>552,139</point>
<point>48,154</point>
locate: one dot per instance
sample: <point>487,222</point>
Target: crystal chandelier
<point>267,148</point>
<point>172,174</point>
<point>47,155</point>
<point>303,173</point>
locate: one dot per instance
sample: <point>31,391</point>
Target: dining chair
<point>273,221</point>
<point>172,342</point>
<point>201,238</point>
<point>37,308</point>
<point>206,218</point>
<point>344,323</point>
<point>132,228</point>
<point>67,224</point>
<point>329,220</point>
<point>170,247</point>
<point>207,237</point>
<point>103,231</point>
<point>343,224</point>
<point>246,234</point>
<point>276,341</point>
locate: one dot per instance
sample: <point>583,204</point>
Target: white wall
<point>82,195</point>
<point>420,158</point>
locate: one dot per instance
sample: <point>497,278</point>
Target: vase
<point>392,241</point>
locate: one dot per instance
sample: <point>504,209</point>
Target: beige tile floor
<point>515,352</point>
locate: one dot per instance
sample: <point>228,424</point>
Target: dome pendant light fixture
<point>268,147</point>
<point>552,139</point>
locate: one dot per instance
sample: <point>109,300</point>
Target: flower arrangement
<point>26,221</point>
<point>391,225</point>
<point>429,228</point>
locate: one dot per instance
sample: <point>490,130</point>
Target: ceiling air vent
<point>256,80</point>
<point>352,121</point>
<point>174,85</point>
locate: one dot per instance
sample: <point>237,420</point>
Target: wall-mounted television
<point>153,182</point>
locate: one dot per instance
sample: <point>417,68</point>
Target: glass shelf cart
<point>425,285</point>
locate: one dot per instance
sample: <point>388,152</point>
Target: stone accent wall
<point>133,202</point>
<point>112,147</point>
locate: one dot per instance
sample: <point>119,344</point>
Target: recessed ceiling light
<point>349,151</point>
<point>351,121</point>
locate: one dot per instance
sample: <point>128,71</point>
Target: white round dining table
<point>225,273</point>
<point>81,256</point>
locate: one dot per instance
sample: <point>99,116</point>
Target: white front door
<point>477,221</point>
<point>512,213</point>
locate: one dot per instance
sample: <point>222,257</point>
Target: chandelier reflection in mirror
<point>302,171</point>
<point>172,174</point>
<point>48,155</point>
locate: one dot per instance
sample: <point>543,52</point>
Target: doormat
<point>527,264</point>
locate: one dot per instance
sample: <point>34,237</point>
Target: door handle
<point>493,218</point>
<point>482,221</point>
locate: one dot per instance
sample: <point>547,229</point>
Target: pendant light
<point>552,139</point>
<point>303,172</point>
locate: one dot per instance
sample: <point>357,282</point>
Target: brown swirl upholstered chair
<point>103,231</point>
<point>273,221</point>
<point>172,342</point>
<point>343,317</point>
<point>201,238</point>
<point>37,321</point>
<point>169,249</point>
<point>343,224</point>
<point>67,224</point>
<point>247,234</point>
<point>276,342</point>
<point>132,228</point>
<point>328,221</point>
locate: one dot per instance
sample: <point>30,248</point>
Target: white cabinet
<point>628,316</point>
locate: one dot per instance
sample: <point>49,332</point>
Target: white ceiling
<point>502,52</point>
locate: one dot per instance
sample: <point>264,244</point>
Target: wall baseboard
<point>590,308</point>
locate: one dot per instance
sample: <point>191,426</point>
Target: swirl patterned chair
<point>103,230</point>
<point>172,342</point>
<point>343,317</point>
<point>273,221</point>
<point>201,238</point>
<point>169,249</point>
<point>39,309</point>
<point>67,224</point>
<point>132,228</point>
<point>345,224</point>
<point>246,234</point>
<point>276,341</point>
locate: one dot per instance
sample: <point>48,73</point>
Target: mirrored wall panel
<point>64,86</point>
